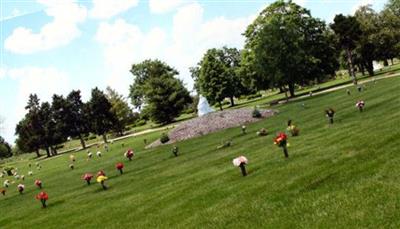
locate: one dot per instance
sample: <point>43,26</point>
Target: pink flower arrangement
<point>129,154</point>
<point>43,197</point>
<point>101,173</point>
<point>360,105</point>
<point>87,177</point>
<point>241,162</point>
<point>21,188</point>
<point>119,166</point>
<point>38,183</point>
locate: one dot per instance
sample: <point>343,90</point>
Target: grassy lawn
<point>340,176</point>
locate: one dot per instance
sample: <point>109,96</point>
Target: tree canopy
<point>157,91</point>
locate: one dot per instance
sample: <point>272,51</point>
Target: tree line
<point>285,47</point>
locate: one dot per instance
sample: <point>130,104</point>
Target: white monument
<point>376,65</point>
<point>203,107</point>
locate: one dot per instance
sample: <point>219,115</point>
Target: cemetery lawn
<point>342,176</point>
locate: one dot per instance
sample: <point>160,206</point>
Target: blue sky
<point>54,46</point>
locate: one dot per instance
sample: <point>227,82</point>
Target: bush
<point>262,132</point>
<point>164,138</point>
<point>91,137</point>
<point>256,113</point>
<point>140,122</point>
<point>258,95</point>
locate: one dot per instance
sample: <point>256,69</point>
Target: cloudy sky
<point>54,46</point>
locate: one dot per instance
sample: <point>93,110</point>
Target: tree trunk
<point>351,66</point>
<point>361,67</point>
<point>391,60</point>
<point>291,89</point>
<point>82,141</point>
<point>37,153</point>
<point>385,63</point>
<point>105,138</point>
<point>370,67</point>
<point>232,102</point>
<point>220,106</point>
<point>48,151</point>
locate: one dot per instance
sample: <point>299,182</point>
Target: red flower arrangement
<point>129,154</point>
<point>281,141</point>
<point>43,197</point>
<point>38,183</point>
<point>119,166</point>
<point>87,177</point>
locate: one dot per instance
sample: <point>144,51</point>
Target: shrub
<point>262,132</point>
<point>164,138</point>
<point>258,95</point>
<point>140,122</point>
<point>256,113</point>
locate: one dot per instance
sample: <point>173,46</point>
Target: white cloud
<point>42,81</point>
<point>59,32</point>
<point>164,6</point>
<point>105,9</point>
<point>125,44</point>
<point>300,2</point>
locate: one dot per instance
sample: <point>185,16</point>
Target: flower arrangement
<point>43,197</point>
<point>292,129</point>
<point>89,154</point>
<point>101,179</point>
<point>6,183</point>
<point>16,176</point>
<point>22,177</point>
<point>87,177</point>
<point>360,105</point>
<point>129,154</point>
<point>71,166</point>
<point>175,150</point>
<point>119,166</point>
<point>244,129</point>
<point>30,173</point>
<point>72,158</point>
<point>256,113</point>
<point>101,173</point>
<point>38,183</point>
<point>3,191</point>
<point>241,162</point>
<point>281,141</point>
<point>225,144</point>
<point>262,132</point>
<point>98,153</point>
<point>21,188</point>
<point>329,114</point>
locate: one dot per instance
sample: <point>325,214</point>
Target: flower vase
<point>243,169</point>
<point>285,151</point>
<point>43,203</point>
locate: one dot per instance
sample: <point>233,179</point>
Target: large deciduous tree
<point>120,107</point>
<point>101,117</point>
<point>5,149</point>
<point>157,91</point>
<point>216,76</point>
<point>285,45</point>
<point>348,31</point>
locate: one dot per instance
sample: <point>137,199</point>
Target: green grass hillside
<point>344,175</point>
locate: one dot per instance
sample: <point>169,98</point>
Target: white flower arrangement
<point>240,160</point>
<point>89,154</point>
<point>6,183</point>
<point>98,153</point>
<point>30,173</point>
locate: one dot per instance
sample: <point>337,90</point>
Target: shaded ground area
<point>212,122</point>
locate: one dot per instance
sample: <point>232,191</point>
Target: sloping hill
<point>344,175</point>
